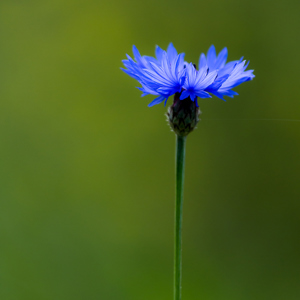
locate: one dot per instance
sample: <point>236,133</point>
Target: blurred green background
<point>87,169</point>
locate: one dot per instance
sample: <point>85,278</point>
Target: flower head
<point>168,74</point>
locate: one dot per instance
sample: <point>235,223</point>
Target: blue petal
<point>239,81</point>
<point>166,101</point>
<point>172,52</point>
<point>227,69</point>
<point>184,95</point>
<point>193,97</point>
<point>221,59</point>
<point>158,53</point>
<point>203,94</point>
<point>218,95</point>
<point>202,61</point>
<point>211,56</point>
<point>156,101</point>
<point>137,55</point>
<point>217,84</point>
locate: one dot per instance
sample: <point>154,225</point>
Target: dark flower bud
<point>183,115</point>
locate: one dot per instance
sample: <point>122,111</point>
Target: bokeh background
<point>87,169</point>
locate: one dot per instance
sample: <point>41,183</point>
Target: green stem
<point>180,158</point>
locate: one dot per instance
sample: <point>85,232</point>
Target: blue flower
<point>168,74</point>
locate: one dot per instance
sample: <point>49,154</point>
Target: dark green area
<point>87,169</point>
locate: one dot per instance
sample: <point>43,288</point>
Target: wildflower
<point>168,74</point>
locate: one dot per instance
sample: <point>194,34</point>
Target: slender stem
<point>180,158</point>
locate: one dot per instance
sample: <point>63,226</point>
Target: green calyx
<point>183,115</point>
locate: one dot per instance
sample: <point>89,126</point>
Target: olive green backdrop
<point>87,169</point>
